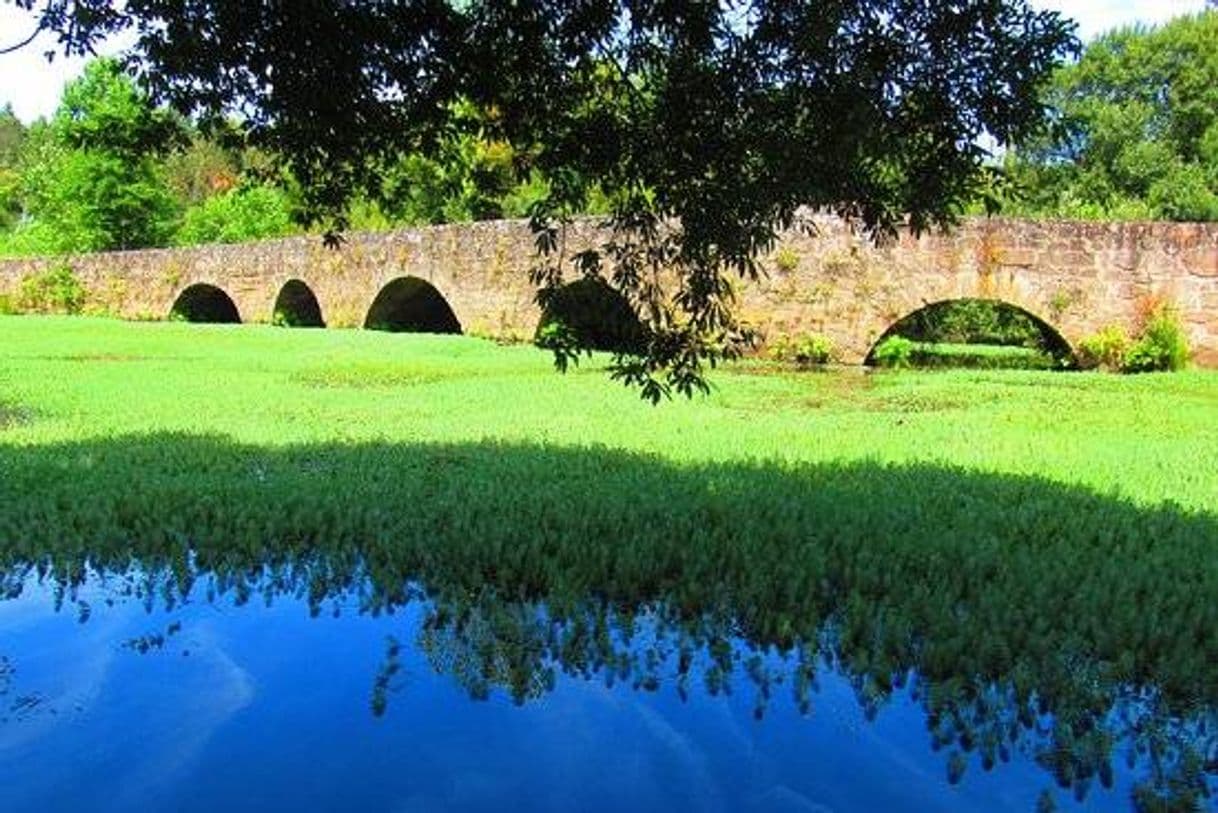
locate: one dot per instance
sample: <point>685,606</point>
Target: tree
<point>12,138</point>
<point>1137,128</point>
<point>12,135</point>
<point>707,125</point>
<point>93,183</point>
<point>201,169</point>
<point>466,176</point>
<point>242,213</point>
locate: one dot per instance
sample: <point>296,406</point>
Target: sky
<point>33,86</point>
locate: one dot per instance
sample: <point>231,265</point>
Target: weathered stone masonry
<point>1078,277</point>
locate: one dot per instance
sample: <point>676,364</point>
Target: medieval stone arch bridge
<point>473,278</point>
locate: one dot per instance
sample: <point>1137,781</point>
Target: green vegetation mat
<point>981,356</point>
<point>1145,440</point>
<point>1050,534</point>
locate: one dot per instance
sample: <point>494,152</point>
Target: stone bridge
<point>473,278</point>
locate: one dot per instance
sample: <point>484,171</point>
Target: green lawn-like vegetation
<point>980,356</point>
<point>1026,541</point>
<point>1142,439</point>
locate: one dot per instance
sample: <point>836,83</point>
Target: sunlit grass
<point>1150,439</point>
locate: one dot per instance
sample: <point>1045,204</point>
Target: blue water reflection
<point>114,702</point>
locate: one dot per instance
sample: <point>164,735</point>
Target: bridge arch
<point>1008,323</point>
<point>411,305</point>
<point>203,302</point>
<point>596,313</point>
<point>297,306</point>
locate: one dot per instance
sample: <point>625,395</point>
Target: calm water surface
<point>126,695</point>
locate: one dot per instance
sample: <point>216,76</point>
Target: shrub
<point>6,305</point>
<point>895,352</point>
<point>981,357</point>
<point>56,290</point>
<point>1060,302</point>
<point>786,260</point>
<point>28,240</point>
<point>1162,347</point>
<point>249,213</point>
<point>1104,350</point>
<point>1159,345</point>
<point>807,350</point>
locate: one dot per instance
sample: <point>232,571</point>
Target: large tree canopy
<point>706,124</point>
<point>92,184</point>
<point>1137,133</point>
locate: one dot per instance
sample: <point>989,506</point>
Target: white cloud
<point>33,85</point>
<point>27,80</point>
<point>1097,16</point>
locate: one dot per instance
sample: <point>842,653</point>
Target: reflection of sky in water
<point>267,709</point>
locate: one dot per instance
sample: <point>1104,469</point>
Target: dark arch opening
<point>411,305</point>
<point>977,333</point>
<point>595,315</point>
<point>296,306</point>
<point>205,303</point>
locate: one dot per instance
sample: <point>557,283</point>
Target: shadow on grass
<point>1033,614</point>
<point>11,416</point>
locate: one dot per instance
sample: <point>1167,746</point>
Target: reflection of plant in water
<point>1020,613</point>
<point>152,641</point>
<point>519,647</point>
<point>381,685</point>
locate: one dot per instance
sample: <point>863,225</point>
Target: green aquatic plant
<point>981,357</point>
<point>11,416</point>
<point>390,668</point>
<point>623,524</point>
<point>495,639</point>
<point>1017,562</point>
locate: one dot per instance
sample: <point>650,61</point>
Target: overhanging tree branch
<point>13,48</point>
<point>706,126</point>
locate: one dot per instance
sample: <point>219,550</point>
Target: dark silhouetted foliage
<point>705,125</point>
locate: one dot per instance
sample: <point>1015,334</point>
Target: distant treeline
<point>1133,131</point>
<point>1133,134</point>
<point>111,171</point>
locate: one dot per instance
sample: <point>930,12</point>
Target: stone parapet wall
<point>482,269</point>
<point>1077,277</point>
